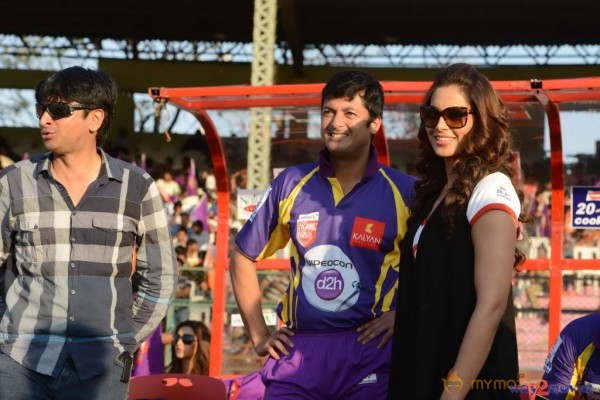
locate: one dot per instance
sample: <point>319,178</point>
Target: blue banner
<point>585,207</point>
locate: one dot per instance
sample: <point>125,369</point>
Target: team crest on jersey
<point>306,228</point>
<point>367,233</point>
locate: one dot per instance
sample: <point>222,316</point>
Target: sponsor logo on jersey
<point>503,193</point>
<point>329,263</point>
<point>367,233</point>
<point>259,205</point>
<point>551,354</point>
<point>329,284</point>
<point>306,228</point>
<point>330,280</point>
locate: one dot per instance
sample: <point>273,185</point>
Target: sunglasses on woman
<point>455,117</point>
<point>186,337</point>
<point>58,109</point>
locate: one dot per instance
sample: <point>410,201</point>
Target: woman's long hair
<point>485,150</point>
<point>200,356</point>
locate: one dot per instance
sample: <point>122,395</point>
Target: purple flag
<point>200,212</point>
<point>149,359</point>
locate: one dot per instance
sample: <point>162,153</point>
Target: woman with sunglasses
<point>454,332</point>
<point>190,348</point>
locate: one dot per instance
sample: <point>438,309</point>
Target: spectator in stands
<point>181,238</point>
<point>168,184</point>
<point>192,253</point>
<point>530,187</point>
<point>71,219</point>
<point>184,223</point>
<point>339,312</point>
<point>200,235</point>
<point>204,289</point>
<point>182,176</point>
<point>572,368</point>
<point>540,211</point>
<point>209,181</point>
<point>191,349</point>
<point>238,180</point>
<point>175,214</point>
<point>455,314</point>
<point>181,254</point>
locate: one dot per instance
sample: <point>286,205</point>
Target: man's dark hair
<point>95,89</point>
<point>348,84</point>
<point>199,224</point>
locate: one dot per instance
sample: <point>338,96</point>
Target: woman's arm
<point>494,239</point>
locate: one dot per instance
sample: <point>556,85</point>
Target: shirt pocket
<point>28,241</point>
<point>113,235</point>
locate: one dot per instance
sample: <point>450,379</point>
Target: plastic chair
<point>176,387</point>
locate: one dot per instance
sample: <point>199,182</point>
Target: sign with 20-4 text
<point>585,207</point>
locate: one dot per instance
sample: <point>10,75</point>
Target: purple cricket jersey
<point>344,248</point>
<point>572,368</point>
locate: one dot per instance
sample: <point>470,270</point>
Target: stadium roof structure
<point>304,24</point>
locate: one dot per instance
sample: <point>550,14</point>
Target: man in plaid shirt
<point>69,222</point>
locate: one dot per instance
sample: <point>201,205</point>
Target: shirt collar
<point>110,169</point>
<point>326,169</point>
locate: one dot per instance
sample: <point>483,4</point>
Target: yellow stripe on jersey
<point>391,259</point>
<point>338,193</point>
<point>290,310</point>
<point>279,238</point>
<point>281,234</point>
<point>580,365</point>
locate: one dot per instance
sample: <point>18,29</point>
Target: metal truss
<point>263,73</point>
<point>41,52</point>
<point>437,56</point>
<point>36,51</point>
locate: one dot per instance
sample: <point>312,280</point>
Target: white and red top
<point>494,192</point>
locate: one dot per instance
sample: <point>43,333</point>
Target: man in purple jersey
<point>345,216</point>
<point>572,368</point>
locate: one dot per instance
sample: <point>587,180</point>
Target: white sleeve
<point>494,192</point>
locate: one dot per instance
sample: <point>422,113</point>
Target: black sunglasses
<point>186,337</point>
<point>58,109</point>
<point>455,117</point>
